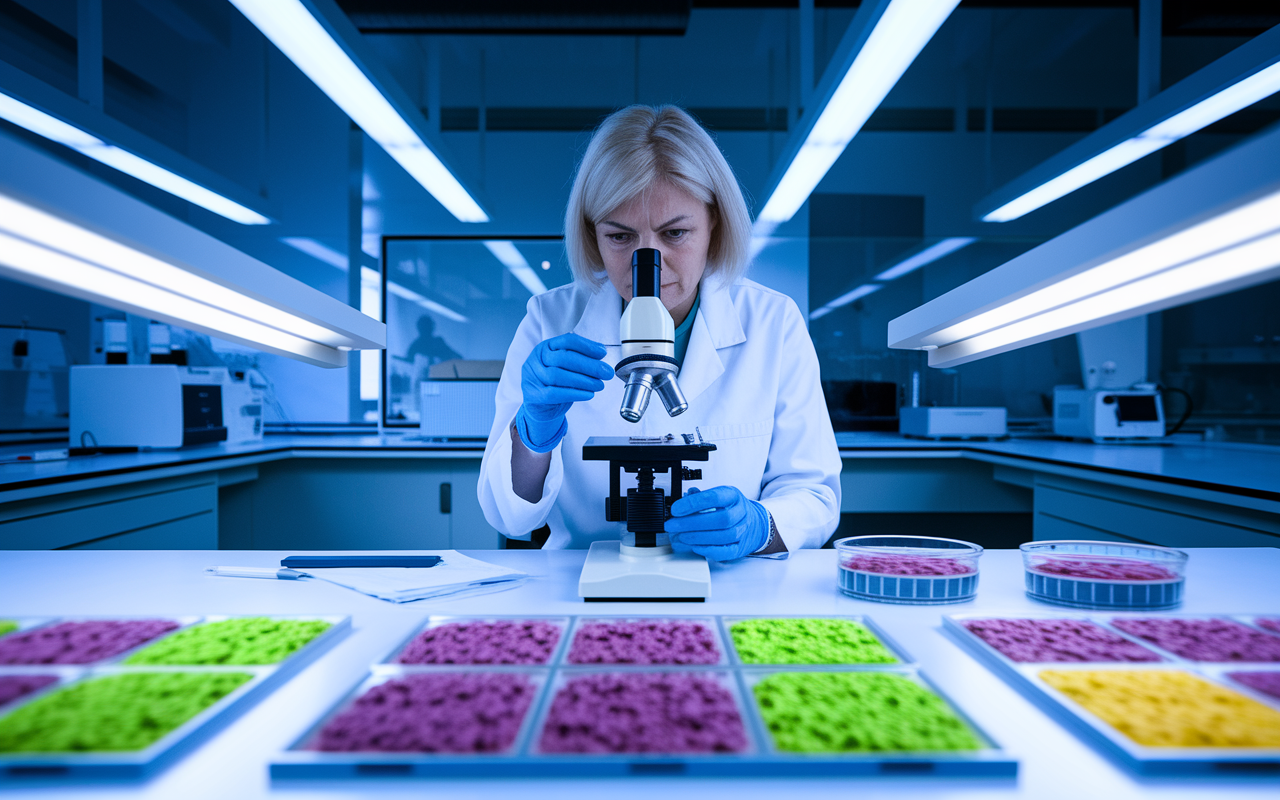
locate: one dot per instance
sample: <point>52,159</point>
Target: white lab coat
<point>751,378</point>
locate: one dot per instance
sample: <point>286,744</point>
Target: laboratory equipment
<point>33,378</point>
<point>121,708</point>
<point>1108,415</point>
<point>1111,575</point>
<point>457,409</point>
<point>642,565</point>
<point>1157,713</point>
<point>953,423</point>
<point>504,682</point>
<point>146,405</point>
<point>648,343</point>
<point>920,570</point>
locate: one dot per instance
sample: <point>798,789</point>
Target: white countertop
<point>233,764</point>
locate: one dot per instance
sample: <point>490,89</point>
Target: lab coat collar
<point>716,326</point>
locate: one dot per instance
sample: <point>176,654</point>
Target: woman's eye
<point>619,237</point>
<point>676,234</point>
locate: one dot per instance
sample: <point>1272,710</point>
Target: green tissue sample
<point>249,640</point>
<point>808,641</point>
<point>7,626</point>
<point>858,712</point>
<point>119,712</point>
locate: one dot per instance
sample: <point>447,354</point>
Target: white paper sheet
<point>455,575</point>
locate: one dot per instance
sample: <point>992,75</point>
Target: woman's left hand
<point>720,523</point>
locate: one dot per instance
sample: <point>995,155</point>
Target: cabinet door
<point>351,504</point>
<point>77,518</point>
<point>191,533</point>
<point>470,530</point>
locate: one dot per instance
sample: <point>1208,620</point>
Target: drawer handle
<point>446,498</point>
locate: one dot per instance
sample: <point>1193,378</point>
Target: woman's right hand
<point>558,373</point>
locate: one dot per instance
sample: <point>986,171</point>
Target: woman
<point>652,177</point>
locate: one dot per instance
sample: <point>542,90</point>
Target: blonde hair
<point>631,151</point>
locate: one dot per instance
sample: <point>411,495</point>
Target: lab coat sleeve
<point>513,516</point>
<point>801,482</point>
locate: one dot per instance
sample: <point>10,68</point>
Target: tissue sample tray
<point>523,759</point>
<point>143,763</point>
<point>1143,759</point>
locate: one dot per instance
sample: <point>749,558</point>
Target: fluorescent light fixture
<point>845,299</point>
<point>297,29</point>
<point>71,233</point>
<point>1213,229</point>
<point>1234,82</point>
<point>926,256</point>
<point>882,41</point>
<point>318,251</point>
<point>50,127</point>
<point>405,293</point>
<point>511,258</point>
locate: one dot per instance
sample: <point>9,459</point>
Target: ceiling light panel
<point>882,41</point>
<point>1236,81</point>
<point>318,38</point>
<point>1213,229</point>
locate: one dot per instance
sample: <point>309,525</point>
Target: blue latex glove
<point>558,373</point>
<point>720,523</point>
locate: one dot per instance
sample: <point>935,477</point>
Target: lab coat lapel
<point>602,316</point>
<point>716,326</point>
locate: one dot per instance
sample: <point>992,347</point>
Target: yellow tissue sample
<point>1169,708</point>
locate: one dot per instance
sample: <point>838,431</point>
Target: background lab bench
<point>335,492</point>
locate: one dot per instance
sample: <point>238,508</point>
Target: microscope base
<point>678,577</point>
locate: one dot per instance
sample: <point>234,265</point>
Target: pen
<point>254,572</point>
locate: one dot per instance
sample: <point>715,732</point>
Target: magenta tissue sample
<point>433,713</point>
<point>80,642</point>
<point>643,713</point>
<point>1268,623</point>
<point>907,565</point>
<point>649,642</point>
<point>1112,570</point>
<point>1218,640</point>
<point>14,686</point>
<point>1265,682</point>
<point>505,642</point>
<point>1057,640</point>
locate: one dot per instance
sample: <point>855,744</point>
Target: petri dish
<point>917,570</point>
<point>1105,575</point>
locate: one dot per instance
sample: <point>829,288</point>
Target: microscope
<point>641,566</point>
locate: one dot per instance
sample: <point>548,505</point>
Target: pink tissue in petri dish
<point>1269,623</point>
<point>1213,640</point>
<point>907,565</point>
<point>1265,682</point>
<point>1051,641</point>
<point>14,686</point>
<point>81,642</point>
<point>502,642</point>
<point>643,712</point>
<point>433,713</point>
<point>1104,569</point>
<point>644,642</point>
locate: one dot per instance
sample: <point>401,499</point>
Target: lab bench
<point>1053,759</point>
<point>393,491</point>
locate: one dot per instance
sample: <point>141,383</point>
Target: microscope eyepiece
<point>646,267</point>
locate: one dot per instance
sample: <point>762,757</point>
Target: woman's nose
<point>650,239</point>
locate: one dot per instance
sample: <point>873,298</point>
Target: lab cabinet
<point>332,501</point>
<point>170,514</point>
<point>1073,509</point>
<point>926,483</point>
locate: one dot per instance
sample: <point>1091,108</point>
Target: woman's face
<point>670,220</point>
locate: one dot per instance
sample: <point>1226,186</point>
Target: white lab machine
<point>953,423</point>
<point>1108,415</point>
<point>146,405</point>
<point>456,409</point>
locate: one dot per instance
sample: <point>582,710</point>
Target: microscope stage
<point>678,577</point>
